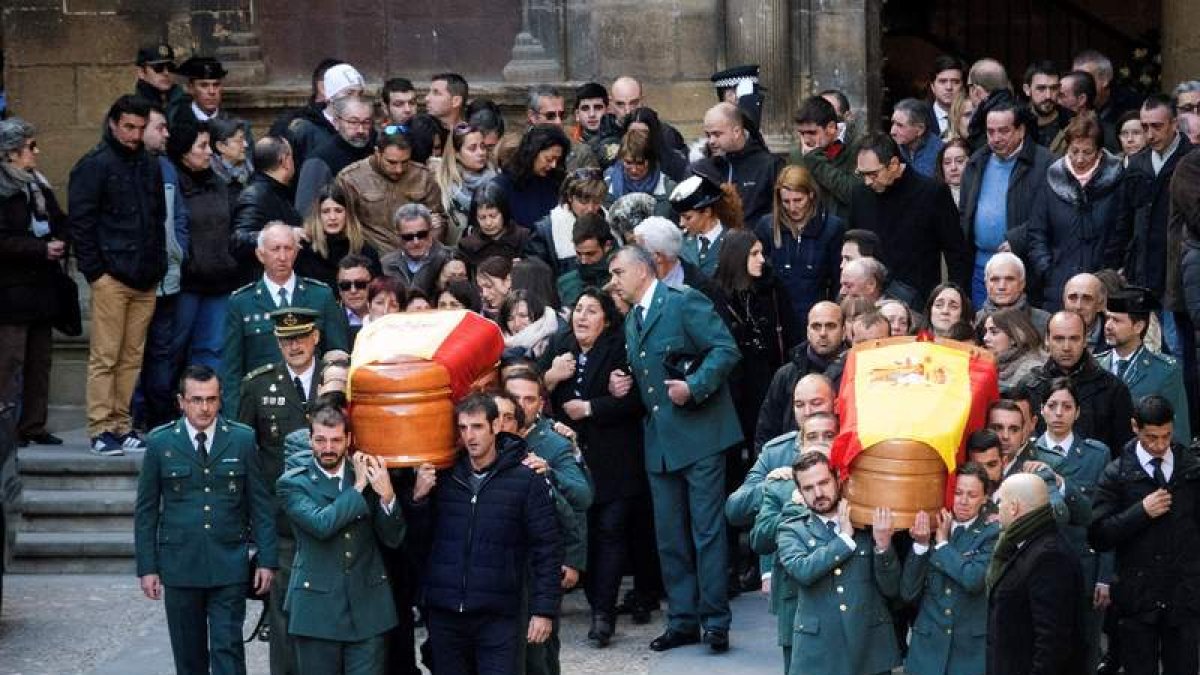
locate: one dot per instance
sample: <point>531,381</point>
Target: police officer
<point>1125,321</point>
<point>338,600</point>
<point>681,355</point>
<point>201,501</point>
<point>274,402</point>
<point>249,343</point>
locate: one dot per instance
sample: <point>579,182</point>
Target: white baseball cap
<point>340,78</point>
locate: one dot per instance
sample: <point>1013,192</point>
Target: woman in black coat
<point>331,233</point>
<point>32,249</point>
<point>609,432</point>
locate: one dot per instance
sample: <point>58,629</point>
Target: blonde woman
<point>465,166</point>
<point>331,232</point>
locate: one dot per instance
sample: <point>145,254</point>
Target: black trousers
<point>472,643</point>
<point>1145,644</point>
<point>25,353</point>
<point>606,554</point>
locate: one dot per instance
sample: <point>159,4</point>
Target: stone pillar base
<point>530,62</point>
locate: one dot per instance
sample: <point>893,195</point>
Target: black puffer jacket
<point>753,170</point>
<point>209,268</point>
<point>264,199</point>
<point>26,294</point>
<point>776,417</point>
<point>117,209</point>
<point>481,547</point>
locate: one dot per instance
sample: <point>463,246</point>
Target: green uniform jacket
<point>777,506</point>
<point>339,588</point>
<point>1150,373</point>
<point>250,334</point>
<point>572,489</point>
<point>707,263</point>
<point>949,636</point>
<point>742,506</point>
<point>842,626</point>
<point>1081,468</point>
<point>193,520</point>
<point>271,406</point>
<point>682,321</point>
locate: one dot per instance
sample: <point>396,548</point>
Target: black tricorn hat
<point>202,68</point>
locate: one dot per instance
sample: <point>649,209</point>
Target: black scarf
<point>1014,536</point>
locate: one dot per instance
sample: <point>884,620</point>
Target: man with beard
<point>1041,88</point>
<point>820,353</point>
<point>355,133</point>
<point>342,512</point>
<point>1104,401</point>
<point>844,579</point>
<point>743,159</point>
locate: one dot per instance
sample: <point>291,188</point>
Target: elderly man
<point>820,353</point>
<point>380,184</point>
<point>1104,402</point>
<point>863,278</point>
<point>1086,295</point>
<point>911,130</point>
<point>420,257</point>
<point>691,423</point>
<point>1004,278</point>
<point>308,131</point>
<point>1034,622</point>
<point>663,240</point>
<point>249,331</point>
<point>352,142</point>
<point>742,157</point>
<point>999,184</point>
<point>987,85</point>
<point>914,216</point>
<point>1187,106</point>
<point>354,274</point>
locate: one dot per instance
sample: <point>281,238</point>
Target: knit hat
<point>341,77</point>
<point>13,134</point>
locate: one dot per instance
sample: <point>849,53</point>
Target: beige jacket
<point>374,199</point>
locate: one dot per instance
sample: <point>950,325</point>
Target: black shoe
<point>717,640</point>
<point>672,639</point>
<point>602,630</point>
<point>42,438</point>
<point>750,580</point>
<point>1108,666</point>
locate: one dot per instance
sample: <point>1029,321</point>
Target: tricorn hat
<point>202,68</point>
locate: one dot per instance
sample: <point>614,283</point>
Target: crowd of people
<point>676,320</point>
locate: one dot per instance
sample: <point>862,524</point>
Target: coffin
<point>403,411</point>
<point>907,476</point>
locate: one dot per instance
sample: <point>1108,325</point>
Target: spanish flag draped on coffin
<point>906,406</point>
<point>406,373</point>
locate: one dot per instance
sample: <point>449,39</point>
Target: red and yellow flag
<point>915,389</point>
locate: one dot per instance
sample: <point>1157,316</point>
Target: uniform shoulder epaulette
<point>162,428</point>
<point>1097,444</point>
<point>1165,358</point>
<point>259,371</point>
<point>789,437</point>
<point>294,471</point>
<point>240,426</point>
<point>244,288</point>
<point>314,282</point>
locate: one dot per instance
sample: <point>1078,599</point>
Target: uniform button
<point>207,526</point>
<point>306,584</point>
<point>642,355</point>
<point>841,590</point>
<point>842,607</point>
<point>949,611</point>
<point>206,471</point>
<point>347,535</point>
<point>655,409</point>
<point>949,631</point>
<point>838,572</point>
<point>207,507</point>
<point>947,591</point>
<point>348,555</point>
<point>208,489</point>
<point>649,390</point>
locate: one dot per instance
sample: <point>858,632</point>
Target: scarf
<point>465,191</point>
<point>14,180</point>
<point>1014,536</point>
<point>1085,176</point>
<point>620,184</point>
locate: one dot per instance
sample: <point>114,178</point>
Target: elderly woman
<point>1012,338</point>
<point>1079,221</point>
<point>609,434</point>
<point>33,248</point>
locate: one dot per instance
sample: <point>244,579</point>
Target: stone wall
<point>1181,50</point>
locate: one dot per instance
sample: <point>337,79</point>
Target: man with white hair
<point>863,278</point>
<point>1004,279</point>
<point>1034,615</point>
<point>249,332</point>
<point>662,239</point>
<point>1187,107</point>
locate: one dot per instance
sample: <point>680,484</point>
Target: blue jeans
<point>155,395</point>
<point>200,329</point>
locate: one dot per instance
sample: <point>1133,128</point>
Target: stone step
<point>242,38</point>
<point>77,503</point>
<point>72,459</point>
<point>245,73</point>
<point>110,545</point>
<point>101,565</point>
<point>66,524</point>
<point>80,482</point>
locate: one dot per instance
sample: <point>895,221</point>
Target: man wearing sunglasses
<point>353,276</point>
<point>420,256</point>
<point>155,63</point>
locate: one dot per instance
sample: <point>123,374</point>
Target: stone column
<point>1180,50</point>
<point>838,45</point>
<point>757,31</point>
<point>535,52</point>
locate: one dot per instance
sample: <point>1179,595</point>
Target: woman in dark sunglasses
<point>331,231</point>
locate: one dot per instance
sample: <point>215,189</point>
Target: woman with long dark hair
<point>609,434</point>
<point>533,175</point>
<point>491,230</point>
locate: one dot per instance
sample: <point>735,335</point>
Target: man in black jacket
<point>117,209</point>
<point>1034,583</point>
<point>490,529</point>
<point>742,157</point>
<point>355,140</point>
<point>1104,401</point>
<point>1147,509</point>
<point>914,217</point>
<point>820,353</point>
<point>265,199</point>
<point>1011,151</point>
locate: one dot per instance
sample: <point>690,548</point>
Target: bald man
<point>987,85</point>
<point>1086,295</point>
<point>624,97</point>
<point>1034,585</point>
<point>1105,405</point>
<point>742,158</point>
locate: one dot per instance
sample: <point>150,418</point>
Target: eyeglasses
<point>159,67</point>
<point>416,236</point>
<point>356,285</point>
<point>1187,108</point>
<point>395,129</point>
<point>869,174</point>
<point>554,115</point>
<point>361,124</point>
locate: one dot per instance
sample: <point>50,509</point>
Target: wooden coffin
<point>403,411</point>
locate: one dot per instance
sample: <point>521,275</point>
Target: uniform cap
<point>202,68</point>
<point>694,192</point>
<point>160,53</point>
<point>294,321</point>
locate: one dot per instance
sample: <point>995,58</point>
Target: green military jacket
<point>250,334</point>
<point>339,587</point>
<point>572,489</point>
<point>1150,373</point>
<point>842,625</point>
<point>194,520</point>
<point>777,506</point>
<point>706,262</point>
<point>682,322</point>
<point>949,636</point>
<point>272,407</point>
<point>742,506</point>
